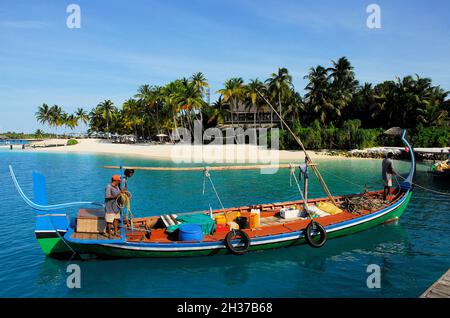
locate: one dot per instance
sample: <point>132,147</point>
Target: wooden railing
<point>248,117</point>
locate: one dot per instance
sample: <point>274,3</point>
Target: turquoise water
<point>14,142</point>
<point>412,252</point>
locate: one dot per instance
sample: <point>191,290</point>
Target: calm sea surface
<point>412,253</point>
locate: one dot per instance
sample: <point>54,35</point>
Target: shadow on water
<point>166,276</point>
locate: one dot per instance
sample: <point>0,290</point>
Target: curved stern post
<point>408,182</point>
<point>50,226</point>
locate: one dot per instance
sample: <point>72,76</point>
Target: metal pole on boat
<point>305,182</point>
<point>122,175</point>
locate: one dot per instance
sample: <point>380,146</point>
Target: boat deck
<point>270,222</point>
<point>92,236</point>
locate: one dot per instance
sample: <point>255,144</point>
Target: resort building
<point>250,117</point>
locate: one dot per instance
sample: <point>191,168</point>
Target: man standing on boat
<point>112,210</point>
<point>387,171</point>
<point>128,173</point>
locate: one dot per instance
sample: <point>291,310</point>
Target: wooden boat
<point>147,236</point>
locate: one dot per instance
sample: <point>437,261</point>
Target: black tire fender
<point>311,230</point>
<point>233,235</point>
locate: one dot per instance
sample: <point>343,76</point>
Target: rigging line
<point>305,202</point>
<point>429,190</point>
<point>207,174</point>
<point>315,170</point>
<point>343,179</point>
<point>61,237</point>
<point>299,189</point>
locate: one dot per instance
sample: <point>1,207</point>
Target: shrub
<point>431,137</point>
<point>72,142</point>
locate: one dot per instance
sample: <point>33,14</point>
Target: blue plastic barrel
<point>190,232</point>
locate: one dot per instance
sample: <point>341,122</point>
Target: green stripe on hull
<point>53,245</point>
<point>112,251</point>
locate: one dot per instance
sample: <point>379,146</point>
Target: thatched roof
<point>394,131</point>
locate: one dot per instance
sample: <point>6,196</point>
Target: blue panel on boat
<point>51,222</point>
<point>40,193</point>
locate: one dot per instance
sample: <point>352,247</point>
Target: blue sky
<point>122,45</point>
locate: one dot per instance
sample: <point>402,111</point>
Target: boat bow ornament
<point>41,207</point>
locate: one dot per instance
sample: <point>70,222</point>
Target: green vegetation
<point>38,134</point>
<point>72,142</point>
<point>335,112</point>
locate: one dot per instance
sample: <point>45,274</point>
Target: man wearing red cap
<point>112,210</point>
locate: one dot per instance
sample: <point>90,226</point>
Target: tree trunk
<point>107,128</point>
<point>254,116</point>
<point>279,110</point>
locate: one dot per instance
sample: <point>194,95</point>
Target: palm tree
<point>149,96</point>
<point>106,109</point>
<point>252,91</point>
<point>39,134</point>
<point>131,115</point>
<point>71,121</point>
<point>342,75</point>
<point>95,120</point>
<point>361,104</point>
<point>294,105</point>
<point>233,92</point>
<point>200,83</point>
<point>56,117</point>
<point>190,99</point>
<point>279,87</point>
<point>343,83</point>
<point>170,100</point>
<point>82,116</point>
<point>318,95</point>
<point>217,112</point>
<point>43,114</point>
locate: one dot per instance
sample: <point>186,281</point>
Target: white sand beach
<point>183,153</point>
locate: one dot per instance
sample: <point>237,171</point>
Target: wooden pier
<point>440,289</point>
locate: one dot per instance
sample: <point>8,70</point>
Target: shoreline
<point>218,154</point>
<point>187,153</point>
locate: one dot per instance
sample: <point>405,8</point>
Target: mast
<point>307,157</point>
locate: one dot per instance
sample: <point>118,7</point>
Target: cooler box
<point>91,221</point>
<point>289,213</point>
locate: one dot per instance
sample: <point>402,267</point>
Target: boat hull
<point>142,250</point>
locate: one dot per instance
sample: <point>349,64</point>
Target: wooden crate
<point>91,221</point>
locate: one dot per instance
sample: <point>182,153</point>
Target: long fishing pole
<point>308,158</point>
